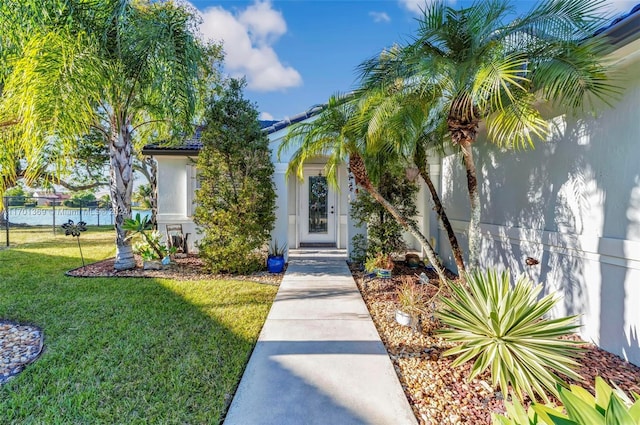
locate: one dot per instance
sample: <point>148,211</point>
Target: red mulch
<point>187,268</point>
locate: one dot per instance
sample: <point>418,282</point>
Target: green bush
<point>358,248</point>
<point>384,233</point>
<point>504,329</point>
<point>236,199</point>
<point>82,199</point>
<point>16,196</point>
<point>379,261</point>
<point>608,407</point>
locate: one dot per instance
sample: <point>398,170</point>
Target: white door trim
<point>304,235</point>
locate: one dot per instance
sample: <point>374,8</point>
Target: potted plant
<point>411,302</point>
<point>275,258</point>
<point>382,265</point>
<point>412,260</point>
<point>154,253</point>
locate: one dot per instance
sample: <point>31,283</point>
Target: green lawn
<point>123,350</point>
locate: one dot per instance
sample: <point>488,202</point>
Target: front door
<point>317,209</point>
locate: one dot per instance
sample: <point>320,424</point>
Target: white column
<point>280,230</point>
<point>352,229</point>
<point>431,220</point>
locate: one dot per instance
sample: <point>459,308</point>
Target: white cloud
<point>247,37</point>
<point>380,17</point>
<point>263,23</point>
<point>417,6</point>
<point>265,116</point>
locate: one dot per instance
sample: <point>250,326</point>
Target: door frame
<point>302,216</point>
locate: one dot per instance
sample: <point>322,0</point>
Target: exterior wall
<point>573,203</point>
<point>285,225</point>
<point>423,203</point>
<point>176,185</point>
<point>287,188</point>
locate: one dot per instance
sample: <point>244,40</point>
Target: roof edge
<point>153,150</point>
<point>624,29</point>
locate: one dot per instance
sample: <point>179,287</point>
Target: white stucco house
<point>309,212</point>
<point>573,204</point>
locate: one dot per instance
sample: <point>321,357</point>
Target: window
<point>193,184</point>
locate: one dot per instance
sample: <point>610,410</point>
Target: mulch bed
<point>439,393</point>
<point>186,268</point>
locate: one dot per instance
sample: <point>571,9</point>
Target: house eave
<point>626,30</point>
<point>169,152</point>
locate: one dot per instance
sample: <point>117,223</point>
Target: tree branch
<point>144,123</point>
<point>101,130</point>
<point>9,123</point>
<point>73,187</point>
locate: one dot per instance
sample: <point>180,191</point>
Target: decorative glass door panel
<point>318,208</point>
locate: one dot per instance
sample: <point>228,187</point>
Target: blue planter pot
<point>383,273</point>
<point>275,264</point>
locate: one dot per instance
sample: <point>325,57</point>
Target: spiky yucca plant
<point>609,406</point>
<point>504,328</point>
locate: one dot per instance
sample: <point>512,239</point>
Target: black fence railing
<point>51,212</point>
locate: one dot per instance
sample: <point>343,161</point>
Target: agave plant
<point>141,225</point>
<point>504,328</point>
<point>609,406</point>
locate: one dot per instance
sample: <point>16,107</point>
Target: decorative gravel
<point>19,346</point>
<point>441,394</point>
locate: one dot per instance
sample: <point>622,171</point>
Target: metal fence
<point>51,212</point>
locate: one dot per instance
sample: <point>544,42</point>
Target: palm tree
<point>336,135</point>
<point>396,126</point>
<point>472,66</point>
<point>111,66</point>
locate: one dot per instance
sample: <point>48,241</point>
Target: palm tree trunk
<point>442,215</point>
<point>153,184</point>
<point>121,174</point>
<point>356,165</point>
<point>474,202</point>
<point>148,167</point>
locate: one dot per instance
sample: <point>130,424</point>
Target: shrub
<point>504,329</point>
<point>411,298</point>
<point>236,199</point>
<point>379,261</point>
<point>384,233</point>
<point>609,406</point>
<point>358,248</point>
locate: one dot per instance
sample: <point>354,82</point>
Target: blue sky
<point>296,53</point>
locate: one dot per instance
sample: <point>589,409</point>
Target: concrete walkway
<point>319,358</point>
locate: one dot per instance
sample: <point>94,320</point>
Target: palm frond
<point>518,125</point>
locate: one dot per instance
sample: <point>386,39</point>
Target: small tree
<point>384,233</point>
<point>142,195</point>
<point>236,199</point>
<point>16,195</point>
<point>86,198</point>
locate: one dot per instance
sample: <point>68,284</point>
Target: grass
<point>122,350</point>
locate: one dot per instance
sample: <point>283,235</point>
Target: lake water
<point>45,216</point>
